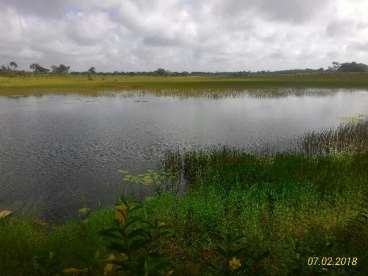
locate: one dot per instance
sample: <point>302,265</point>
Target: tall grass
<point>351,137</point>
<point>335,154</point>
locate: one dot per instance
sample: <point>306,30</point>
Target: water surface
<point>59,153</point>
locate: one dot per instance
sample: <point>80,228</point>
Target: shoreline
<point>33,84</point>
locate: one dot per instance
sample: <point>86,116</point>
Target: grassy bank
<point>33,84</point>
<point>241,215</point>
<point>269,213</point>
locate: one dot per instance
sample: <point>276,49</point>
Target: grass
<point>349,137</point>
<point>242,214</point>
<point>33,84</point>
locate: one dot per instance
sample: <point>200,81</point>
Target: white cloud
<point>212,35</point>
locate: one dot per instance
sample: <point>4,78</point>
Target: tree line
<point>37,68</point>
<point>65,69</point>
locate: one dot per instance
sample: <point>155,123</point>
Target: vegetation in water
<point>15,84</point>
<point>350,137</point>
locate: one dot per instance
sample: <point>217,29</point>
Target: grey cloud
<point>296,11</point>
<point>361,46</point>
<point>157,41</point>
<point>211,35</point>
<point>340,27</point>
<point>40,7</point>
<point>90,28</point>
<point>277,55</point>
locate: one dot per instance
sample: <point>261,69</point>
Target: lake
<point>59,153</point>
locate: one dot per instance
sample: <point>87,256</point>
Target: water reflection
<point>61,152</point>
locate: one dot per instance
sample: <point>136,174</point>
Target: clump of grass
<point>229,168</point>
<point>351,137</point>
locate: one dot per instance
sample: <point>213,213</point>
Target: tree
<point>161,72</point>
<point>4,68</point>
<point>353,67</point>
<point>335,65</point>
<point>61,69</point>
<point>13,65</point>
<point>38,68</point>
<point>92,70</point>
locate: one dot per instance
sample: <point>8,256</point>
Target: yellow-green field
<point>28,84</point>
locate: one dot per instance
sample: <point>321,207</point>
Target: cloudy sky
<point>191,35</point>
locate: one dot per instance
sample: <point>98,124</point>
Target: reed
<point>351,137</point>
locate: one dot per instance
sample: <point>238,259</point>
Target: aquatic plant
<point>234,256</point>
<point>135,243</point>
<point>349,137</point>
<point>5,214</point>
<point>160,181</point>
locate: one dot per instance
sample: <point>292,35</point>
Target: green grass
<point>289,206</point>
<point>32,247</point>
<point>33,84</point>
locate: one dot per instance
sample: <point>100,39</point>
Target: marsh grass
<point>348,137</point>
<point>35,84</point>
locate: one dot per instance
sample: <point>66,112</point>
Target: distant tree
<point>38,68</point>
<point>335,65</point>
<point>4,68</point>
<point>61,69</point>
<point>161,72</point>
<point>33,66</point>
<point>13,65</point>
<point>353,67</point>
<point>92,70</point>
<point>54,68</point>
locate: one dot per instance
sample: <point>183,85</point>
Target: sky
<point>183,35</point>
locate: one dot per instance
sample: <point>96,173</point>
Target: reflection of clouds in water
<point>57,150</point>
<point>236,93</point>
<point>148,95</point>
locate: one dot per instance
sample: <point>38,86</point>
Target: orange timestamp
<point>332,261</point>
